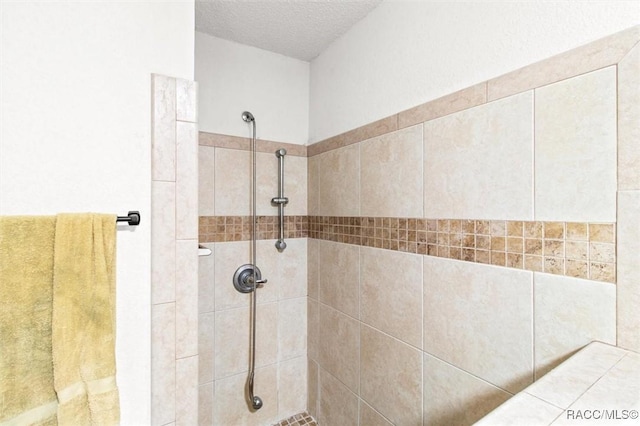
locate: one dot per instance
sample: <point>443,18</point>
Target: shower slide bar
<point>280,200</point>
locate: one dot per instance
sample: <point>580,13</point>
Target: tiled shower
<point>439,260</point>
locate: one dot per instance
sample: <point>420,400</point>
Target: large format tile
<point>312,388</point>
<point>187,394</point>
<point>292,387</point>
<point>206,179</point>
<point>313,185</point>
<point>206,344</point>
<point>339,346</point>
<point>163,242</point>
<point>340,277</point>
<point>163,151</point>
<point>629,121</point>
<point>337,404</point>
<point>575,151</point>
<point>628,287</point>
<point>295,185</point>
<point>313,336</point>
<point>206,276</point>
<point>453,396</point>
<point>186,100</point>
<point>186,298</point>
<point>338,182</point>
<point>228,257</point>
<point>231,407</point>
<point>563,385</point>
<point>313,268</point>
<point>186,181</point>
<point>286,271</point>
<point>391,377</point>
<point>569,314</point>
<point>163,363</point>
<point>292,328</point>
<point>391,182</point>
<point>478,162</point>
<point>206,395</point>
<point>231,345</point>
<point>390,293</point>
<point>232,182</point>
<point>480,318</point>
<point>522,409</point>
<point>370,417</point>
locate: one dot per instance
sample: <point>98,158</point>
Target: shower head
<point>247,116</point>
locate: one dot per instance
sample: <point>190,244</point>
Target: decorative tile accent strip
<point>582,250</point>
<point>244,144</point>
<point>302,419</point>
<point>216,229</point>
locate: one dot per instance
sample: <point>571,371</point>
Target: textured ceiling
<point>297,28</point>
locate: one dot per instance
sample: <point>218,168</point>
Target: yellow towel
<point>57,320</point>
<point>84,320</point>
<point>26,285</point>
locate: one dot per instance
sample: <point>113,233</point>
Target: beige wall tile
<point>339,346</point>
<point>163,242</point>
<point>206,396</point>
<point>562,386</point>
<point>232,182</point>
<point>453,396</point>
<point>186,298</point>
<point>206,362</point>
<point>286,271</point>
<point>478,162</point>
<point>295,185</point>
<point>230,404</point>
<point>313,268</point>
<point>187,391</point>
<point>479,318</point>
<point>337,404</point>
<point>313,185</point>
<point>569,314</point>
<point>312,388</point>
<point>186,100</point>
<point>206,275</point>
<point>163,136</point>
<point>163,363</point>
<point>391,182</point>
<point>390,294</point>
<point>338,182</point>
<point>601,53</point>
<point>448,104</point>
<point>629,121</point>
<point>385,361</point>
<point>232,339</point>
<point>522,409</point>
<point>228,257</point>
<point>628,286</point>
<point>370,417</point>
<point>267,180</point>
<point>206,332</point>
<point>340,277</point>
<point>575,150</point>
<point>292,328</point>
<point>186,180</point>
<point>313,330</point>
<point>206,179</point>
<point>292,387</point>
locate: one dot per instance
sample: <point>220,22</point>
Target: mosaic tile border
<point>575,249</point>
<point>217,229</point>
<point>301,419</point>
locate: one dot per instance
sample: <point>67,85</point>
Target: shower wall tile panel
<point>292,335</point>
<point>391,181</point>
<point>286,271</point>
<point>340,278</point>
<point>370,417</point>
<point>313,268</point>
<point>479,162</point>
<point>338,182</point>
<point>337,404</point>
<point>628,288</point>
<point>206,277</point>
<point>206,396</point>
<point>339,346</point>
<point>232,182</point>
<point>312,387</point>
<point>628,122</point>
<point>174,233</point>
<point>570,313</point>
<point>390,293</point>
<point>575,151</point>
<point>479,318</point>
<point>292,386</point>
<point>206,181</point>
<point>385,360</point>
<point>313,185</point>
<point>447,388</point>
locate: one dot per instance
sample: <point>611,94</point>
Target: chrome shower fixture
<point>248,117</point>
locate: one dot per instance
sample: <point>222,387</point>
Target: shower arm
<point>280,200</point>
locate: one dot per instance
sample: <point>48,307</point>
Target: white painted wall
<point>405,53</point>
<point>75,135</point>
<point>234,77</point>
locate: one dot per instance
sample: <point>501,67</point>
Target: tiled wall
<point>174,251</point>
<point>403,336</point>
<point>225,226</point>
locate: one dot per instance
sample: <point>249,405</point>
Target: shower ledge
<point>600,383</point>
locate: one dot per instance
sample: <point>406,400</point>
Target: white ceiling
<point>300,29</point>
